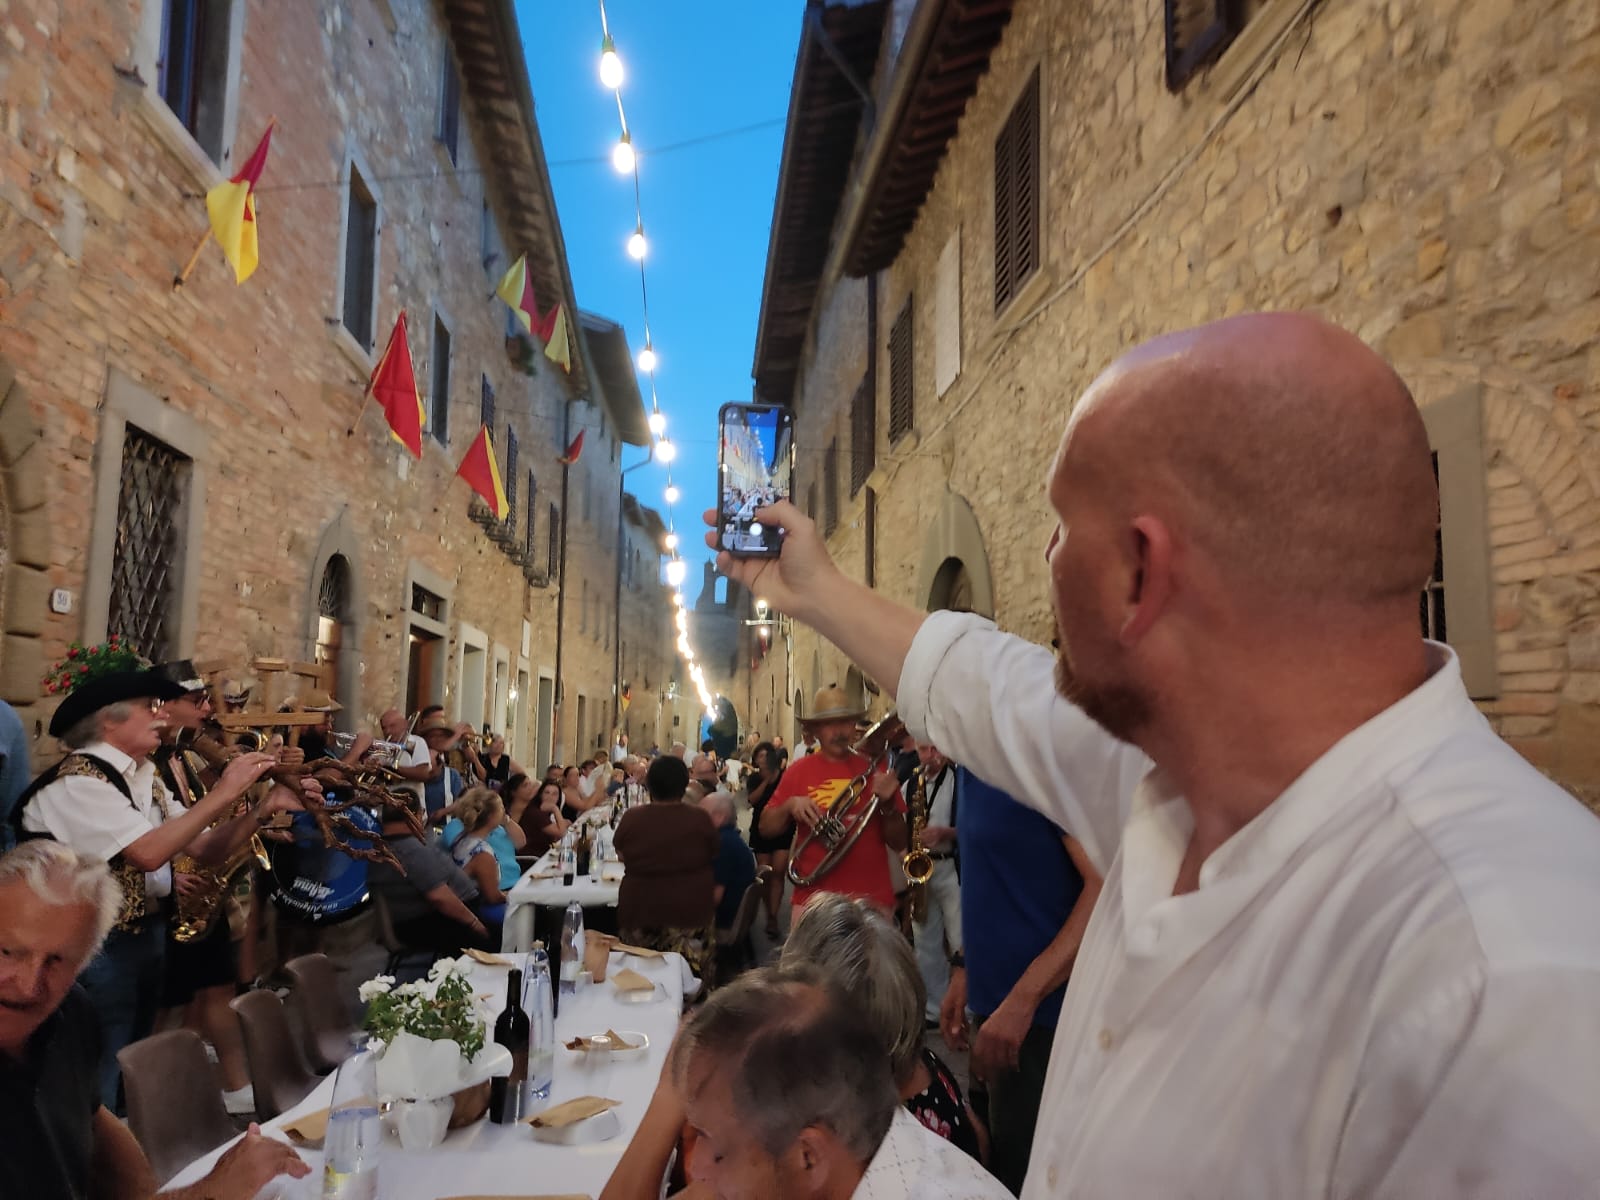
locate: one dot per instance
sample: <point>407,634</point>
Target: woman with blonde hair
<point>480,812</point>
<point>871,962</point>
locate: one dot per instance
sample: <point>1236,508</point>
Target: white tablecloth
<point>490,1159</point>
<point>529,892</point>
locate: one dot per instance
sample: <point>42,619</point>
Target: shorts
<point>192,967</point>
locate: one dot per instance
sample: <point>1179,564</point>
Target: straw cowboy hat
<point>833,703</point>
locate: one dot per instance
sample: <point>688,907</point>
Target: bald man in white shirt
<point>1346,944</point>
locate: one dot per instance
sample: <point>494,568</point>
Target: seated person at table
<point>56,1138</point>
<point>665,902</point>
<point>481,813</point>
<point>574,800</point>
<point>506,840</point>
<point>536,807</point>
<point>788,1093</point>
<point>735,867</point>
<point>870,961</point>
<point>433,904</point>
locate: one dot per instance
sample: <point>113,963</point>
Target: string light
<point>672,494</point>
<point>665,450</point>
<point>611,72</point>
<point>647,362</point>
<point>637,246</point>
<point>677,571</point>
<point>622,156</point>
<point>658,425</point>
<point>671,541</point>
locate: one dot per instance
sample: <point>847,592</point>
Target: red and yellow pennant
<point>394,386</point>
<point>232,208</point>
<point>516,289</point>
<point>482,474</point>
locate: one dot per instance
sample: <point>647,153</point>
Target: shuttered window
<point>511,477</point>
<point>1016,196</point>
<point>486,403</point>
<point>1197,32</point>
<point>901,415</point>
<point>830,488</point>
<point>533,510</point>
<point>553,565</point>
<point>863,437</point>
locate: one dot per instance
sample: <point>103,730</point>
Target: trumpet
<point>382,755</point>
<point>848,816</point>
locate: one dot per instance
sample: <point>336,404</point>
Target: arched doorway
<point>333,626</point>
<point>952,587</point>
<point>954,569</point>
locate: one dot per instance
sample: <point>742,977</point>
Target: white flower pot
<point>421,1124</point>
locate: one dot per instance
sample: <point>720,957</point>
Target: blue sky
<point>693,70</point>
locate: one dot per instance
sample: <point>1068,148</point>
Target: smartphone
<point>755,466</point>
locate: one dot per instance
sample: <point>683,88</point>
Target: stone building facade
<point>188,467</point>
<point>1037,186</point>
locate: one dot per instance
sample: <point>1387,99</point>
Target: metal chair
<point>320,1014</point>
<point>175,1107</point>
<point>277,1072</point>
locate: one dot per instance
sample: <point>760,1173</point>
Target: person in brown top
<point>536,807</point>
<point>667,897</point>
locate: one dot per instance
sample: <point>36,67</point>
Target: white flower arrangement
<point>439,1008</point>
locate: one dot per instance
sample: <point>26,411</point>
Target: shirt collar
<point>108,753</point>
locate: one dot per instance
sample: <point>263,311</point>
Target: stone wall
<point>1425,173</point>
<point>100,205</point>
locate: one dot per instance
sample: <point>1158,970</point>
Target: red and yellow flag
<point>516,289</point>
<point>571,456</point>
<point>557,345</point>
<point>232,208</point>
<point>482,474</point>
<point>394,386</point>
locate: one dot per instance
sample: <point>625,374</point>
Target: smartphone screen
<point>756,465</point>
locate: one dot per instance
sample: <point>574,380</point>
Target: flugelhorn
<point>848,816</point>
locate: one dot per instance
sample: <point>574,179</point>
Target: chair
<point>280,1077</point>
<point>175,1107</point>
<point>734,951</point>
<point>320,1013</point>
<point>390,940</point>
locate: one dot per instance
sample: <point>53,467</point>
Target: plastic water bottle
<point>571,948</point>
<point>537,1003</point>
<point>355,1132</point>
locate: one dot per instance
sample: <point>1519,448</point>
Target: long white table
<point>531,892</point>
<point>490,1159</point>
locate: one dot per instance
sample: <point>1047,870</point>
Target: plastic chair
<point>279,1076</point>
<point>175,1107</point>
<point>734,951</point>
<point>320,1013</point>
<point>390,940</point>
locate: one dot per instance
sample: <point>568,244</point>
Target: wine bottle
<point>511,1031</point>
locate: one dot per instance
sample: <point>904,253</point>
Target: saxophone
<point>196,913</point>
<point>917,862</point>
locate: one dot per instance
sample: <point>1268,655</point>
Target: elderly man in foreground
<point>1344,946</point>
<point>56,1138</point>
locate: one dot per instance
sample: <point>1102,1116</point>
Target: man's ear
<point>812,1159</point>
<point>1151,583</point>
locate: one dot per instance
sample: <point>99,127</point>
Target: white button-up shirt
<point>95,819</point>
<point>1386,985</point>
<point>914,1163</point>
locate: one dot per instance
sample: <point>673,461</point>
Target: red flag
<point>482,473</point>
<point>571,456</point>
<point>394,386</point>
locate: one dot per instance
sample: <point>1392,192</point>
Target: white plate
<point>601,1127</point>
<point>641,1044</point>
<point>640,997</point>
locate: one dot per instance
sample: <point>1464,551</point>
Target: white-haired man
<point>1336,950</point>
<point>56,1138</point>
<point>734,868</point>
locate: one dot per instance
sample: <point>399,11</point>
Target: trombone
<point>848,816</point>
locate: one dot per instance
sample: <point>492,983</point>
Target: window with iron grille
<point>427,604</point>
<point>333,596</point>
<point>811,501</point>
<point>486,403</point>
<point>901,415</point>
<point>532,502</point>
<point>1016,196</point>
<point>193,71</point>
<point>1197,32</point>
<point>830,488</point>
<point>554,562</point>
<point>449,132</point>
<point>863,436</point>
<point>511,476</point>
<point>439,392</point>
<point>869,522</point>
<point>146,559</point>
<point>360,258</point>
<point>1432,603</point>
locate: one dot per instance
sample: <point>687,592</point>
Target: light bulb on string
<point>665,451</point>
<point>647,358</point>
<point>671,541</point>
<point>622,155</point>
<point>678,600</point>
<point>610,63</point>
<point>637,246</point>
<point>677,570</point>
<point>672,494</point>
<point>658,425</point>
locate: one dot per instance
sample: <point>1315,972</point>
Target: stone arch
<point>337,545</point>
<point>25,552</point>
<point>954,557</point>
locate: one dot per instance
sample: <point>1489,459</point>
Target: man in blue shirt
<point>734,868</point>
<point>1027,890</point>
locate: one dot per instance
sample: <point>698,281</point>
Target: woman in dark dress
<point>497,765</point>
<point>773,852</point>
<point>536,807</point>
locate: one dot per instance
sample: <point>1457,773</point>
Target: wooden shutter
<point>869,519</point>
<point>863,437</point>
<point>511,476</point>
<point>486,403</point>
<point>1016,196</point>
<point>830,488</point>
<point>1197,32</point>
<point>901,415</point>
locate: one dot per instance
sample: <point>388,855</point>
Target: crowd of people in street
<point>1234,893</point>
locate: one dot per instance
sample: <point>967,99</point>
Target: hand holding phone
<point>755,468</point>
